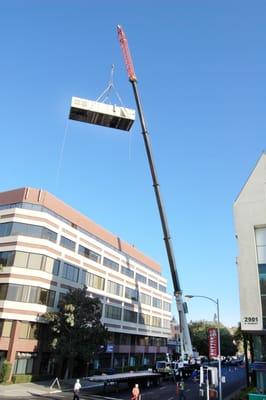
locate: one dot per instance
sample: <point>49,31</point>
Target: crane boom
<point>126,54</point>
<point>186,346</point>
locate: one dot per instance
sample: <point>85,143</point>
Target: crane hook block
<point>94,112</point>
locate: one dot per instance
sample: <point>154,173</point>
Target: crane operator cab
<point>94,112</point>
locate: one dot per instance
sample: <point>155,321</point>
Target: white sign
<point>251,322</point>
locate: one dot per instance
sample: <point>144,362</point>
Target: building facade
<point>250,223</point>
<point>46,248</point>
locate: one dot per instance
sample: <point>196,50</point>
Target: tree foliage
<point>199,338</point>
<point>75,331</point>
<point>239,338</point>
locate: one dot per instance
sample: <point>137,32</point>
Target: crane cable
<point>59,167</point>
<point>105,95</point>
<point>110,87</point>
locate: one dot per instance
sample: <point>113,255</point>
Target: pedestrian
<point>182,390</point>
<point>194,375</point>
<point>135,394</point>
<point>177,389</point>
<point>77,388</point>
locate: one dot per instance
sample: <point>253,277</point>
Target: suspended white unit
<point>94,112</point>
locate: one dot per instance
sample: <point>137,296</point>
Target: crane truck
<point>185,340</point>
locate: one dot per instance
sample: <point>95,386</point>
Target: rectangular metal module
<point>103,114</point>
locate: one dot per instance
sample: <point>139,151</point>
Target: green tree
<point>239,338</point>
<point>228,346</point>
<point>199,338</point>
<point>75,331</point>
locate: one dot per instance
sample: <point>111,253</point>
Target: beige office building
<point>250,223</point>
<point>46,248</point>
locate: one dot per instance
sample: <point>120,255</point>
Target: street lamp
<point>219,339</point>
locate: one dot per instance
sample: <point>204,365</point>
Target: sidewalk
<point>39,388</point>
<point>233,395</point>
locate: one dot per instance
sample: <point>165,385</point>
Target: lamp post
<point>219,340</point>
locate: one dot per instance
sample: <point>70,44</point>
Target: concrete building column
<point>12,348</point>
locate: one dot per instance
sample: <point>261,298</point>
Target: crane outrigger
<point>186,346</point>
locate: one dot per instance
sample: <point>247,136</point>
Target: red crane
<point>186,347</point>
<point>126,54</point>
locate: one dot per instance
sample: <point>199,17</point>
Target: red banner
<point>213,342</point>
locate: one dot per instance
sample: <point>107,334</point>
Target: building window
<point>113,312</point>
<point>28,330</point>
<point>259,348</point>
<point>144,319</point>
<point>67,243</point>
<point>48,234</point>
<point>166,323</point>
<point>43,296</point>
<point>115,288</point>
<point>7,258</point>
<point>162,288</point>
<point>261,245</point>
<point>3,291</point>
<point>110,264</point>
<point>131,294</point>
<point>157,322</point>
<point>92,255</point>
<point>262,275</point>
<point>36,261</point>
<point>18,228</point>
<point>5,229</point>
<point>141,278</point>
<point>92,280</point>
<point>152,283</point>
<point>166,306</point>
<point>5,328</point>
<point>70,272</point>
<point>157,302</point>
<point>130,316</point>
<point>127,271</point>
<point>145,299</point>
<point>260,234</point>
<point>51,298</point>
<point>14,292</point>
<point>27,294</point>
<point>24,363</point>
<point>21,259</point>
<point>55,264</point>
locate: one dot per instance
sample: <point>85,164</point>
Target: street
<point>235,379</point>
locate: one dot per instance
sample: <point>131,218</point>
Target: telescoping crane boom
<point>186,347</point>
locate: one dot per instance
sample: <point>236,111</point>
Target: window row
<point>18,228</point>
<point>91,280</point>
<point>113,312</point>
<point>27,294</point>
<point>23,259</point>
<point>71,272</point>
<point>124,270</point>
<point>136,340</point>
<point>133,294</point>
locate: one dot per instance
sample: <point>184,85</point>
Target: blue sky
<point>201,75</point>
